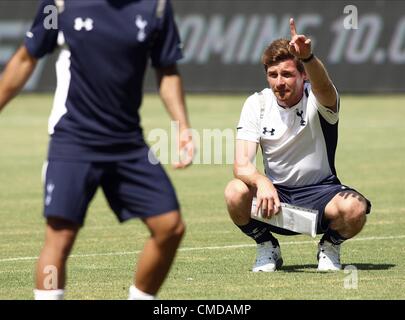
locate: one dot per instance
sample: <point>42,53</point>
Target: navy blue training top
<point>105,48</point>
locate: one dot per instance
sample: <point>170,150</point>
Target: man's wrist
<point>261,179</point>
<point>306,60</point>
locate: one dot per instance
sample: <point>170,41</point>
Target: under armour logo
<point>49,189</point>
<point>87,24</point>
<point>256,233</point>
<point>267,131</point>
<point>299,114</point>
<point>141,24</point>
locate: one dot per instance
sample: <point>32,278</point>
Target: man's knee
<point>175,231</point>
<point>354,210</point>
<point>349,208</point>
<point>167,227</point>
<point>179,230</point>
<point>235,192</point>
<point>60,236</point>
<point>174,234</point>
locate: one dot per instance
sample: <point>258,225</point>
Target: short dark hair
<point>278,51</point>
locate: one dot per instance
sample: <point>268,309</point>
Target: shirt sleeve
<point>249,122</point>
<point>329,115</point>
<point>40,40</point>
<point>166,49</point>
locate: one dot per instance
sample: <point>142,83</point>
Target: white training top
<point>298,143</point>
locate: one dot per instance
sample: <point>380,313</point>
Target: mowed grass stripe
<point>236,246</point>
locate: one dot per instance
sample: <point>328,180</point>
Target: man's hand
<point>321,85</point>
<point>267,198</point>
<point>300,45</point>
<point>186,150</point>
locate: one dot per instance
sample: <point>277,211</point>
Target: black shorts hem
<point>129,216</point>
<point>66,218</point>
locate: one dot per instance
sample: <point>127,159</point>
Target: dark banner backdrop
<point>362,43</point>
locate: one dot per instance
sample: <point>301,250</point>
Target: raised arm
<point>15,75</point>
<point>245,170</point>
<point>172,94</point>
<point>321,84</point>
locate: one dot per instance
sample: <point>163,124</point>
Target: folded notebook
<point>297,219</point>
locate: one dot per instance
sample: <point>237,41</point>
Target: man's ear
<point>304,75</point>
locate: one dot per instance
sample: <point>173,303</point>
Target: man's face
<point>286,82</point>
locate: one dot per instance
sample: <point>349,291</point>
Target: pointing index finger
<point>293,31</point>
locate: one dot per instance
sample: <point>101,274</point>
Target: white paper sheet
<point>297,219</point>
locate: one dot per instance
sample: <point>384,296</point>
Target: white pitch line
<point>236,246</point>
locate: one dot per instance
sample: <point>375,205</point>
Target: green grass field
<point>215,257</point>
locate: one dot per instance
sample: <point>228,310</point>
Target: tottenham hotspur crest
<point>141,24</point>
<point>49,189</point>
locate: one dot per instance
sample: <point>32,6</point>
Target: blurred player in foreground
<point>295,122</point>
<point>95,135</point>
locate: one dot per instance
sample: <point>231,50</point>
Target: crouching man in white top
<point>295,122</point>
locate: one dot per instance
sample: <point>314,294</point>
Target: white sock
<point>136,294</point>
<point>49,294</point>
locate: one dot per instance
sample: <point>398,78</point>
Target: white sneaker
<point>268,257</point>
<point>328,257</point>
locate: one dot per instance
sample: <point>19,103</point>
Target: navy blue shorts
<point>314,197</point>
<point>133,188</point>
